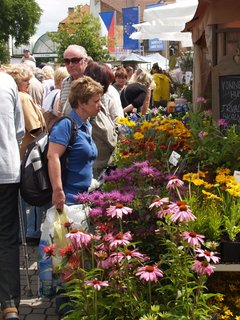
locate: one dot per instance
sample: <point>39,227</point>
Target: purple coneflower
<point>149,273</point>
<point>118,210</point>
<point>203,267</point>
<point>193,238</point>
<point>208,255</point>
<point>159,202</point>
<point>174,182</point>
<point>181,212</point>
<point>79,238</point>
<point>120,239</point>
<point>97,284</point>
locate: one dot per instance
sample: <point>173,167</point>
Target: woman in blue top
<point>84,98</point>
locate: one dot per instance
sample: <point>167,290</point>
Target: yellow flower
<point>126,122</point>
<point>198,182</point>
<point>224,171</point>
<point>138,136</point>
<point>210,195</point>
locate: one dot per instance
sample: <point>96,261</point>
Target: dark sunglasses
<point>73,60</point>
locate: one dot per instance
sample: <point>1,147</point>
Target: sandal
<point>10,314</point>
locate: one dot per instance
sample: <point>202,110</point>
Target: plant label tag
<point>237,175</point>
<point>174,157</point>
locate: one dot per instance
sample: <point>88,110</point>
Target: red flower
<point>49,250</point>
<point>67,251</point>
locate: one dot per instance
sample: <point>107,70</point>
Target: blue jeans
<point>35,220</point>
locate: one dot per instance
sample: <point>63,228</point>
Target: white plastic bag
<point>75,214</point>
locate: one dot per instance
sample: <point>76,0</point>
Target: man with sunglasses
<point>75,59</point>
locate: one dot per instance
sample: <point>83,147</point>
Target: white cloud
<point>54,11</point>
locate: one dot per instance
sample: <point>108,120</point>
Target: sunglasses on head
<point>72,60</point>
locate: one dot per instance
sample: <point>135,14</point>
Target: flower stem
<point>150,293</point>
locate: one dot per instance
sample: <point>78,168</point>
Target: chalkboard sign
<point>229,98</point>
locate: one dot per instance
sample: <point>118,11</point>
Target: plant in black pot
<point>230,243</point>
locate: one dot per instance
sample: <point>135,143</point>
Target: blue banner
<point>130,16</point>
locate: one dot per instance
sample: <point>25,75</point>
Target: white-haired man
<point>75,59</point>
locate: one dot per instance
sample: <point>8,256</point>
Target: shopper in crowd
<point>84,98</point>
<point>161,92</point>
<point>12,132</point>
<point>34,125</point>
<point>27,56</point>
<point>104,129</point>
<point>52,100</point>
<point>48,81</point>
<point>120,79</point>
<point>135,97</point>
<point>76,60</point>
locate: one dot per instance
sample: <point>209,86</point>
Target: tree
<point>4,53</point>
<point>83,30</point>
<point>18,19</point>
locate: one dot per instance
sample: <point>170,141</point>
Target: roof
<point>73,16</point>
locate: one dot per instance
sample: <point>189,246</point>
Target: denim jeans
<point>9,246</point>
<point>35,220</point>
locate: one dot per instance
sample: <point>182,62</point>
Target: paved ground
<point>33,307</point>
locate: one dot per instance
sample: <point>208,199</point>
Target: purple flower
<point>174,182</point>
<point>120,239</point>
<point>203,267</point>
<point>95,212</point>
<point>193,238</point>
<point>149,273</point>
<point>181,212</point>
<point>208,255</point>
<point>78,238</point>
<point>118,210</point>
<point>222,122</point>
<point>97,284</point>
<point>159,202</point>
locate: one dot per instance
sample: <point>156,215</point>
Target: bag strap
<point>53,101</point>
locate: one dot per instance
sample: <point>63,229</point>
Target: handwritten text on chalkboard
<point>229,91</point>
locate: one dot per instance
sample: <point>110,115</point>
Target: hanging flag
<point>107,21</point>
<point>130,16</point>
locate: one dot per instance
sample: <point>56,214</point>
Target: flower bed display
<point>156,224</point>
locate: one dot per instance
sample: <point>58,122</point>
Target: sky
<point>53,12</point>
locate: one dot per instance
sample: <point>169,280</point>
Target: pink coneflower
<point>96,284</point>
<point>49,250</point>
<point>120,239</point>
<point>165,210</point>
<point>208,255</point>
<point>193,238</point>
<point>203,267</point>
<point>181,212</point>
<point>79,238</point>
<point>128,254</point>
<point>159,202</point>
<point>149,273</point>
<point>174,182</point>
<point>118,210</point>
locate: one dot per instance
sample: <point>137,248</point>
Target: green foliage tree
<point>18,19</point>
<point>4,52</point>
<point>86,33</point>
